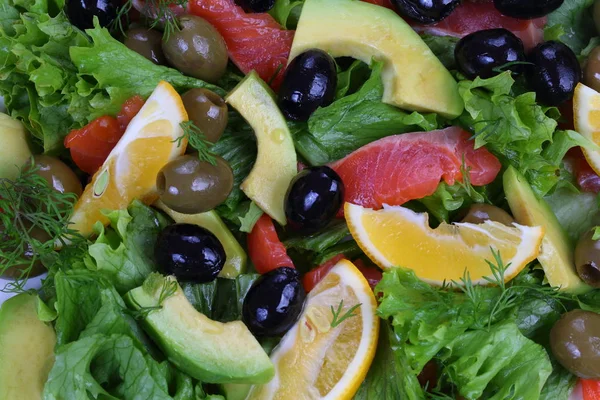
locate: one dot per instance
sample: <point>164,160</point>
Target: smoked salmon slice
<point>399,168</point>
<point>255,41</point>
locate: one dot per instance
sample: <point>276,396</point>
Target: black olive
<point>554,74</point>
<point>190,252</point>
<point>482,53</point>
<point>587,259</point>
<point>574,342</point>
<point>527,9</point>
<point>426,11</point>
<point>309,83</point>
<point>81,12</point>
<point>274,303</point>
<point>257,6</point>
<point>313,199</point>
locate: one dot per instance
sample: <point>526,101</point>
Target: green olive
<point>146,42</point>
<point>197,49</point>
<point>591,70</point>
<point>37,268</point>
<point>191,186</point>
<point>58,175</point>
<point>207,110</point>
<point>479,213</point>
<point>574,341</point>
<point>587,259</point>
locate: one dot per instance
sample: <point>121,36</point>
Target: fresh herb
<point>168,289</point>
<point>338,317</point>
<point>159,13</point>
<point>504,67</point>
<point>197,139</point>
<point>34,220</point>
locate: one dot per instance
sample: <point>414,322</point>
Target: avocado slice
<point>276,163</point>
<point>235,391</point>
<point>26,349</point>
<point>14,151</point>
<point>556,255</point>
<point>413,77</point>
<point>235,264</point>
<point>207,350</point>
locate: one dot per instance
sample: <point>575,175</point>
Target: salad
<point>300,199</point>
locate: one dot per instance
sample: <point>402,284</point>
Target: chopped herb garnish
<point>338,317</point>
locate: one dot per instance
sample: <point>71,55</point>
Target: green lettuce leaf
<point>321,241</point>
<point>474,334</point>
<point>576,211</point>
<point>390,377</point>
<point>356,120</point>
<point>221,299</point>
<point>499,363</point>
<point>559,385</point>
<point>124,252</point>
<point>351,79</point>
<point>443,48</point>
<point>238,147</point>
<point>250,218</point>
<point>574,19</point>
<point>448,199</point>
<point>112,367</point>
<point>54,79</point>
<point>88,304</point>
<point>135,74</point>
<point>287,12</point>
<point>517,129</point>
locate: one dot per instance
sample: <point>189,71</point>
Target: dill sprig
<point>338,317</point>
<point>34,223</point>
<point>158,13</point>
<point>510,294</point>
<point>198,141</point>
<point>168,289</point>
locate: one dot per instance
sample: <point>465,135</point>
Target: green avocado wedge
<point>26,349</point>
<point>556,255</point>
<point>14,151</point>
<point>207,350</point>
<point>236,258</point>
<point>413,77</point>
<point>276,163</point>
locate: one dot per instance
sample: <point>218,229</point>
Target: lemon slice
<point>130,170</point>
<point>399,237</point>
<point>586,115</point>
<point>316,360</point>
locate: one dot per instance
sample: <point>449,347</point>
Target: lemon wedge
<point>130,170</point>
<point>327,353</point>
<point>399,237</point>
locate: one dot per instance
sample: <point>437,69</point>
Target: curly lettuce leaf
<point>124,252</point>
<point>353,121</point>
<point>483,352</point>
<point>572,23</point>
<point>499,363</point>
<point>88,304</point>
<point>515,128</point>
<point>54,79</point>
<point>390,377</point>
<point>135,75</point>
<point>448,199</point>
<point>112,367</point>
